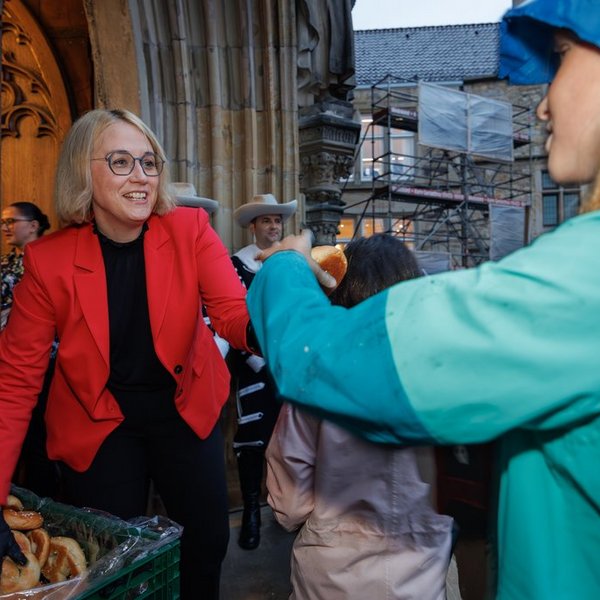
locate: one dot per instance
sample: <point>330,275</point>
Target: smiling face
<point>267,230</point>
<point>571,109</point>
<point>122,203</point>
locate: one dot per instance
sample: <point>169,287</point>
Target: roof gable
<point>438,53</point>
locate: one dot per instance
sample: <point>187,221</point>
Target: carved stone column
<point>328,139</point>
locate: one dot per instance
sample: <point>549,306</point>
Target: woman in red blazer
<point>139,382</point>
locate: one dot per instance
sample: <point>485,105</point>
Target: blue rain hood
<point>526,36</point>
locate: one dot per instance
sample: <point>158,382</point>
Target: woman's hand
<point>302,243</point>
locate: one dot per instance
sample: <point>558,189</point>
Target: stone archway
<point>35,110</point>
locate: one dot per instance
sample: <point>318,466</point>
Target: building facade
<point>235,89</point>
<point>461,206</point>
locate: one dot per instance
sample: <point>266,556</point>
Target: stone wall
<point>216,80</point>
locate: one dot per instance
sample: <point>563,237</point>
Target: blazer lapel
<point>90,287</point>
<point>159,253</point>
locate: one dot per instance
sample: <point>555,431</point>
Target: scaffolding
<point>439,198</point>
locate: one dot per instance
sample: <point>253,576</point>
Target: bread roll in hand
<point>332,260</point>
<point>321,259</point>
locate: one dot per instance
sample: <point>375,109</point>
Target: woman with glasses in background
<point>21,223</point>
<point>139,382</point>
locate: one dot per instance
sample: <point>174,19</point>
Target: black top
<point>134,365</point>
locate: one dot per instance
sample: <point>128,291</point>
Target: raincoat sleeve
<point>459,357</point>
<point>291,458</point>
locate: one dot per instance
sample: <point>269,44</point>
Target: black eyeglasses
<point>11,222</point>
<point>122,162</point>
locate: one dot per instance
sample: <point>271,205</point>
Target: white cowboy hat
<point>185,194</point>
<point>263,204</point>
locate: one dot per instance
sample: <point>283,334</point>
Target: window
<point>570,204</point>
<point>550,210</point>
<point>386,153</point>
<point>558,203</point>
<point>345,230</point>
<point>372,225</point>
<point>401,227</point>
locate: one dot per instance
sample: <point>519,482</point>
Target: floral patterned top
<point>12,271</point>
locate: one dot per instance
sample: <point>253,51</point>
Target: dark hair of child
<point>374,264</point>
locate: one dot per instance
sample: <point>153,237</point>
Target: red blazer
<point>63,292</point>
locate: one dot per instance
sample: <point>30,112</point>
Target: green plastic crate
<point>155,572</point>
<point>155,577</point>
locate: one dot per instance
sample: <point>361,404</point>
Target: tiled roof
<point>440,53</point>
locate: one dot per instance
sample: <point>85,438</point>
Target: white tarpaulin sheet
<point>466,123</point>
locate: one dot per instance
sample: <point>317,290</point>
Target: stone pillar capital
<point>328,138</point>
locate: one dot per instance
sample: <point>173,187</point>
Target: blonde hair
<point>592,200</point>
<point>73,185</point>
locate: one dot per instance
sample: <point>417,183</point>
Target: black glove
<point>8,545</point>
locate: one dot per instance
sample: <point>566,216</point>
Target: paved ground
<point>261,574</point>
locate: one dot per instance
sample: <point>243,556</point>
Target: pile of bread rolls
<point>49,559</point>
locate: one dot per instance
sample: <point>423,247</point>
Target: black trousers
<point>189,475</point>
<point>38,473</point>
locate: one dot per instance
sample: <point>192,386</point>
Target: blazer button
<point>178,369</point>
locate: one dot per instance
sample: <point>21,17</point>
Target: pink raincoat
<point>368,528</point>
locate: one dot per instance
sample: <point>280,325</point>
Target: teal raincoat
<point>508,351</point>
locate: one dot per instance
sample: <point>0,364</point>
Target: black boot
<point>250,468</point>
<point>250,531</point>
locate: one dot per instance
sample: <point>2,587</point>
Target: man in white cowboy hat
<point>256,404</point>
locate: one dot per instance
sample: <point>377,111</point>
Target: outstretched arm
<point>459,357</point>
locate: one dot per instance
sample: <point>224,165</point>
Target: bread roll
<point>17,578</point>
<point>40,544</point>
<point>331,259</point>
<point>13,502</point>
<point>22,541</point>
<point>23,520</point>
<point>65,560</point>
